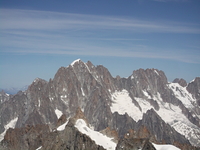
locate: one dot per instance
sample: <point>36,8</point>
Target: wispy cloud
<point>43,32</point>
<point>41,20</point>
<point>171,0</point>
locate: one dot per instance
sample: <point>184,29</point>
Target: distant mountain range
<point>84,107</point>
<point>14,90</point>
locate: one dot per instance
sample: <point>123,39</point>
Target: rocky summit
<point>84,107</point>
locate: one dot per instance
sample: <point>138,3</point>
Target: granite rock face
<point>157,130</point>
<point>90,88</point>
<point>27,138</point>
<point>193,87</point>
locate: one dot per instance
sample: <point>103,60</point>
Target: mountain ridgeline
<point>135,111</point>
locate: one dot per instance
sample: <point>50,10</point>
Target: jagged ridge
<point>91,88</point>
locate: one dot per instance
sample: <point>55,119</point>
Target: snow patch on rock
<point>11,124</point>
<point>58,113</point>
<point>62,127</point>
<point>99,138</point>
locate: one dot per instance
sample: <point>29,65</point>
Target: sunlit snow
<point>39,148</point>
<point>182,94</point>
<point>82,92</point>
<point>165,147</point>
<point>75,62</point>
<point>191,132</point>
<point>58,113</point>
<point>122,103</point>
<point>156,72</point>
<point>62,127</point>
<point>99,138</point>
<point>11,124</point>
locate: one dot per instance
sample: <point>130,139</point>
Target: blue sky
<point>37,37</point>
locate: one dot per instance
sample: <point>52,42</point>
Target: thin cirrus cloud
<point>45,32</point>
<point>171,0</point>
<point>44,20</point>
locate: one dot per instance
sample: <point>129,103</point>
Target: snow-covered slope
<point>99,138</point>
<point>11,124</point>
<point>171,114</point>
<point>122,103</point>
<point>165,147</point>
<point>182,94</point>
<point>107,142</point>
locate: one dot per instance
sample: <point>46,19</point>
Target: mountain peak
<point>181,82</point>
<point>75,61</point>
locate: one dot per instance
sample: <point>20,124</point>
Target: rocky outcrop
<point>194,88</point>
<point>181,82</point>
<point>71,139</point>
<point>111,133</point>
<point>27,138</point>
<point>3,97</point>
<point>61,120</point>
<point>122,123</point>
<point>134,144</point>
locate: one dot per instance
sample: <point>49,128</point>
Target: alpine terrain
<point>84,107</point>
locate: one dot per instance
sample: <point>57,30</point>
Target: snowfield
<point>122,103</point>
<point>171,114</point>
<point>99,138</point>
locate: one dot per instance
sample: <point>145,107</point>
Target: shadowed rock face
<point>90,88</point>
<point>193,87</point>
<point>159,131</point>
<point>134,144</point>
<point>29,137</point>
<point>32,137</point>
<point>70,139</point>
